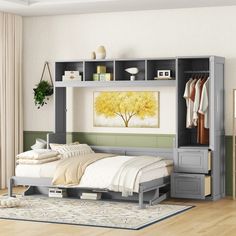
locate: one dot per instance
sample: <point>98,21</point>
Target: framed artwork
<point>133,109</point>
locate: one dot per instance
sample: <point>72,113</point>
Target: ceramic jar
<point>93,55</point>
<point>101,52</point>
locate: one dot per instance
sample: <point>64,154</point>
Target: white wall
<point>163,33</point>
<point>83,121</point>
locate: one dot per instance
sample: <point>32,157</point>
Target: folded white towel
<point>35,162</point>
<point>37,154</point>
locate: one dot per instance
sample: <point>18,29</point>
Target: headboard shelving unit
<point>199,170</point>
<point>145,77</point>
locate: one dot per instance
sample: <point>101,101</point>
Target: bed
<point>152,185</point>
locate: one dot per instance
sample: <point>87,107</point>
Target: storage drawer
<point>192,161</point>
<point>190,186</point>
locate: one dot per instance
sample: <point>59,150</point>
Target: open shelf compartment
<point>61,67</point>
<point>121,65</point>
<point>166,64</point>
<point>91,68</point>
<point>186,68</point>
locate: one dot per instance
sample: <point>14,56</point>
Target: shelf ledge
<point>143,83</point>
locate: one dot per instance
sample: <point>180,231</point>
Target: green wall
<point>130,140</point>
<point>228,164</point>
<point>107,139</point>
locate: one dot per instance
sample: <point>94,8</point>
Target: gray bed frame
<point>151,191</point>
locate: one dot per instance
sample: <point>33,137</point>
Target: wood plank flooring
<point>206,219</point>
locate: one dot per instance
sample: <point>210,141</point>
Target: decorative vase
<point>132,77</point>
<point>93,55</point>
<point>101,52</point>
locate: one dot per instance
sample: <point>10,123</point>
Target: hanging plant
<point>43,89</point>
<point>42,93</point>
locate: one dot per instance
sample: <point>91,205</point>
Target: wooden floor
<point>207,218</point>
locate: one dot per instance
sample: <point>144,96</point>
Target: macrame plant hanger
<point>46,65</point>
<point>44,89</point>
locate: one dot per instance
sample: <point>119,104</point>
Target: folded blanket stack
<point>37,156</point>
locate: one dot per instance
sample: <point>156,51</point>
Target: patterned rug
<point>112,214</point>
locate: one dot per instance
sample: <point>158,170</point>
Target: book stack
<point>91,196</point>
<point>57,192</point>
<point>71,75</point>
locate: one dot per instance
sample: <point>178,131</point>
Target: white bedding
<point>95,176</point>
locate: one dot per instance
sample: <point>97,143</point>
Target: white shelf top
<point>143,83</point>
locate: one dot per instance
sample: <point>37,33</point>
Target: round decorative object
<point>132,71</point>
<point>93,55</point>
<point>101,52</point>
<point>9,202</point>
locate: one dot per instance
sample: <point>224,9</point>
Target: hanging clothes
<point>187,97</point>
<point>191,100</point>
<point>202,132</point>
<point>204,104</point>
<point>196,102</point>
<point>196,96</point>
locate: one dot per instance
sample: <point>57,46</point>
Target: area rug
<point>123,215</point>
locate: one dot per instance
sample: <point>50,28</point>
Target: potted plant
<point>42,92</point>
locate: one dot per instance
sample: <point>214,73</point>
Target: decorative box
<point>96,77</point>
<point>71,73</point>
<point>91,196</point>
<point>163,74</point>
<point>101,69</point>
<point>66,78</point>
<point>106,77</point>
<point>57,192</point>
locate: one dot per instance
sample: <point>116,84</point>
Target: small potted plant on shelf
<point>42,92</point>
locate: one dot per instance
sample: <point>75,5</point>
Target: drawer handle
<point>194,151</point>
<point>188,176</point>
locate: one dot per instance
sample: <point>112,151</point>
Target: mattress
<point>99,174</point>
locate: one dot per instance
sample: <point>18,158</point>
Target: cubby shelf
<point>145,77</point>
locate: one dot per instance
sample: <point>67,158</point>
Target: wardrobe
<point>199,167</point>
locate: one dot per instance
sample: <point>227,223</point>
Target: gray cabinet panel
<point>189,186</point>
<point>60,110</point>
<point>191,161</point>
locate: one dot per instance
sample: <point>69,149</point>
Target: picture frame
<point>126,109</point>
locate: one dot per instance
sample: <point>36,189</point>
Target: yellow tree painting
<point>126,109</point>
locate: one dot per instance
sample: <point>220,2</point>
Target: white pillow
<point>72,150</point>
<point>56,146</point>
<point>39,144</point>
<point>37,154</point>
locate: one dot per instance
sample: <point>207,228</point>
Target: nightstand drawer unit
<point>196,186</point>
<point>192,161</point>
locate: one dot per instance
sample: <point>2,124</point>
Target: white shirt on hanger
<point>196,102</point>
<point>191,102</point>
<point>204,103</point>
<point>187,98</point>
